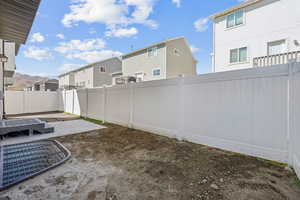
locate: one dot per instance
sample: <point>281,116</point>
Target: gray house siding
<point>91,76</point>
<point>105,78</point>
<point>180,62</point>
<point>140,62</point>
<point>164,64</point>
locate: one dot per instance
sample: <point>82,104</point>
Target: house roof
<point>116,73</point>
<point>152,45</point>
<point>240,6</point>
<point>88,66</point>
<point>158,43</point>
<point>16,18</point>
<point>46,81</point>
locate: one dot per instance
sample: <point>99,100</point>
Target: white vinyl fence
<point>254,111</point>
<point>294,138</point>
<point>21,102</point>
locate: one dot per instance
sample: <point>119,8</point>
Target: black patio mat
<point>19,162</point>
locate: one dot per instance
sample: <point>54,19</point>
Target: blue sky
<point>67,34</point>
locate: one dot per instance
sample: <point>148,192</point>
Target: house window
<point>152,51</point>
<point>276,47</point>
<point>156,72</point>
<point>82,84</point>
<point>102,69</point>
<point>176,52</point>
<point>139,76</point>
<point>235,19</point>
<point>238,55</point>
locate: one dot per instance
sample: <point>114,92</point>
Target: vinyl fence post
<point>290,112</point>
<point>131,105</point>
<point>87,102</point>
<point>180,134</point>
<point>23,102</point>
<point>65,101</point>
<point>104,104</point>
<point>73,102</point>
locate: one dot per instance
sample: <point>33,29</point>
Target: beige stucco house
<point>167,59</point>
<point>92,75</point>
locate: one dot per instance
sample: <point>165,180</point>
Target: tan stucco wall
<point>182,64</point>
<point>141,62</point>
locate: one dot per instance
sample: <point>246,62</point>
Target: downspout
<point>3,82</point>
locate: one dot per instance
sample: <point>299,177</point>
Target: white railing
<point>277,59</point>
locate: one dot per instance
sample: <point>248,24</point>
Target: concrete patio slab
<point>61,128</point>
<point>48,117</point>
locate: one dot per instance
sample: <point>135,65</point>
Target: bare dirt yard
<point>119,163</point>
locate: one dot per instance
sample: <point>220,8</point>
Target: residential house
<point>67,81</point>
<point>14,26</point>
<point>92,75</point>
<point>48,85</point>
<point>256,33</point>
<point>166,59</point>
<point>28,88</point>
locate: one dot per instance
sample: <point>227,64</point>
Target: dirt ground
<point>119,163</point>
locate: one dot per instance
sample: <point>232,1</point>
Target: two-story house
<point>256,33</point>
<point>167,59</point>
<point>92,75</point>
<point>66,81</point>
<point>48,85</point>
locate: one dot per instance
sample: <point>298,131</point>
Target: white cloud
<point>88,11</point>
<point>177,3</point>
<point>90,50</point>
<point>60,36</point>
<point>38,53</point>
<point>37,37</point>
<point>92,31</point>
<point>194,49</point>
<point>94,56</point>
<point>78,45</point>
<point>115,14</point>
<point>201,24</point>
<point>68,67</point>
<point>122,32</point>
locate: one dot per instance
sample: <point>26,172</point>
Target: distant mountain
<point>22,81</point>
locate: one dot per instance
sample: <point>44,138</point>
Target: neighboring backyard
<point>119,163</point>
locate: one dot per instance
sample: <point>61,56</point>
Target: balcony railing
<point>8,81</point>
<point>277,59</point>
